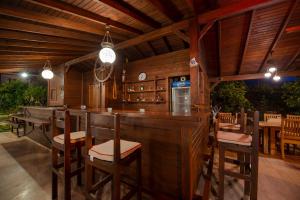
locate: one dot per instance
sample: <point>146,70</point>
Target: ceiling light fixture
<point>276,78</point>
<point>107,54</point>
<point>268,74</point>
<point>47,71</point>
<point>272,69</point>
<point>24,74</point>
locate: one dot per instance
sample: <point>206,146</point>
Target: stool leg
<point>254,175</point>
<point>88,177</point>
<point>79,183</point>
<point>54,175</point>
<point>116,186</point>
<point>247,183</point>
<point>67,175</point>
<point>139,175</point>
<point>221,171</point>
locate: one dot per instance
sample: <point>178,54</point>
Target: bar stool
<point>110,157</point>
<point>245,144</point>
<point>65,143</point>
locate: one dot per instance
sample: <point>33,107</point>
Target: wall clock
<point>142,76</point>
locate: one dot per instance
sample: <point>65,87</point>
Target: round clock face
<point>142,76</point>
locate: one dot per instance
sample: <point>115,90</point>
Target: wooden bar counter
<point>172,149</point>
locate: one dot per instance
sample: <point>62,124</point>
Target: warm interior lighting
<point>107,54</point>
<point>268,74</point>
<point>24,75</point>
<point>272,69</point>
<point>47,72</point>
<point>276,78</point>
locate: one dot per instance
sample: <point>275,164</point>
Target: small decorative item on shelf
<point>138,99</point>
<point>142,88</point>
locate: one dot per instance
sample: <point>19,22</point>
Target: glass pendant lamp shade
<point>272,69</point>
<point>47,71</point>
<point>276,78</point>
<point>24,75</point>
<point>107,55</point>
<point>268,74</point>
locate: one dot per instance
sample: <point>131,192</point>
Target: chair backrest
<point>226,118</point>
<point>104,125</point>
<point>268,116</point>
<point>295,117</point>
<point>290,128</point>
<point>252,126</point>
<point>61,123</point>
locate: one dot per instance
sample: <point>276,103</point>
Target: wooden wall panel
<point>56,88</point>
<point>73,88</point>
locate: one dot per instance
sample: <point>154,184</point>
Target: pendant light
<point>107,54</point>
<point>47,71</point>
<point>24,75</point>
<point>272,70</point>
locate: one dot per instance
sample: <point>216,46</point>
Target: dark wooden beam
<point>41,45</point>
<point>167,43</point>
<point>246,42</point>
<point>235,9</point>
<point>140,51</point>
<point>33,50</point>
<point>279,33</point>
<point>33,57</point>
<point>195,5</point>
<point>35,37</point>
<point>55,21</point>
<point>74,10</point>
<point>292,29</point>
<point>152,48</point>
<point>168,8</point>
<point>205,29</point>
<point>182,35</point>
<point>132,12</point>
<point>39,29</point>
<point>137,40</point>
<point>292,60</point>
<point>219,48</point>
<point>253,76</point>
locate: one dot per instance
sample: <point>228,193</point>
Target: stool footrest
<point>237,175</point>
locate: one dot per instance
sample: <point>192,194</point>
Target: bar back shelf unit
<point>151,91</point>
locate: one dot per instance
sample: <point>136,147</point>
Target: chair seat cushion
<point>234,138</point>
<point>74,137</point>
<point>105,151</point>
<point>229,126</point>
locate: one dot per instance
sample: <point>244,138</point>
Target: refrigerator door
<point>181,100</point>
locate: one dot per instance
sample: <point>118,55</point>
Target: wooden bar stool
<point>290,133</point>
<point>65,143</point>
<point>110,157</point>
<point>245,144</point>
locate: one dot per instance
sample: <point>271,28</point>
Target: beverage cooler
<point>181,97</point>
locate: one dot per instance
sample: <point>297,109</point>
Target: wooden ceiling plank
<point>279,33</point>
<point>74,10</point>
<point>40,50</point>
<point>219,48</point>
<point>137,40</point>
<point>33,57</point>
<point>35,37</point>
<point>34,28</point>
<point>292,29</point>
<point>168,8</point>
<point>205,29</point>
<point>137,48</point>
<point>167,43</point>
<point>182,35</point>
<point>235,9</point>
<point>292,59</point>
<point>240,77</point>
<point>131,11</point>
<point>54,21</point>
<point>246,42</point>
<point>152,48</point>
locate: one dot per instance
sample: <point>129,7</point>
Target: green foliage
<point>291,96</point>
<point>17,93</point>
<point>231,96</point>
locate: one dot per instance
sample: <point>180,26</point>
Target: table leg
<point>266,140</point>
<point>273,141</point>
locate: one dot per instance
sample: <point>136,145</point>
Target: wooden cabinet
<point>55,91</point>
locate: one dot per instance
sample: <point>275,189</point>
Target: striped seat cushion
<point>234,138</point>
<point>74,137</point>
<point>105,151</point>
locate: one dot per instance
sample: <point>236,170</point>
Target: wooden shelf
<point>145,91</point>
<point>149,80</point>
<point>154,102</point>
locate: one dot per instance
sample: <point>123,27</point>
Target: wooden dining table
<point>269,130</point>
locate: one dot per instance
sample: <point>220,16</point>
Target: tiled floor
<point>25,174</point>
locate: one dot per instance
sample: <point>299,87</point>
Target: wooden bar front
<point>172,149</point>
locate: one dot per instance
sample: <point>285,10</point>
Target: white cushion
<point>74,137</point>
<point>229,126</point>
<point>105,151</point>
<point>274,120</point>
<point>234,138</point>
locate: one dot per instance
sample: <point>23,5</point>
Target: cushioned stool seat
<point>229,126</point>
<point>105,151</point>
<point>74,137</point>
<point>234,138</point>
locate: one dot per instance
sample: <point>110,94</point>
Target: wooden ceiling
<point>32,31</point>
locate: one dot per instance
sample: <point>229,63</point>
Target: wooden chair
<point>64,141</point>
<point>290,133</point>
<point>294,117</point>
<point>110,157</point>
<point>245,144</point>
<point>268,116</point>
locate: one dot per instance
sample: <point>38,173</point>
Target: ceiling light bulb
<point>24,75</point>
<point>276,78</point>
<point>47,74</point>
<point>107,55</point>
<point>268,74</point>
<point>272,69</point>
